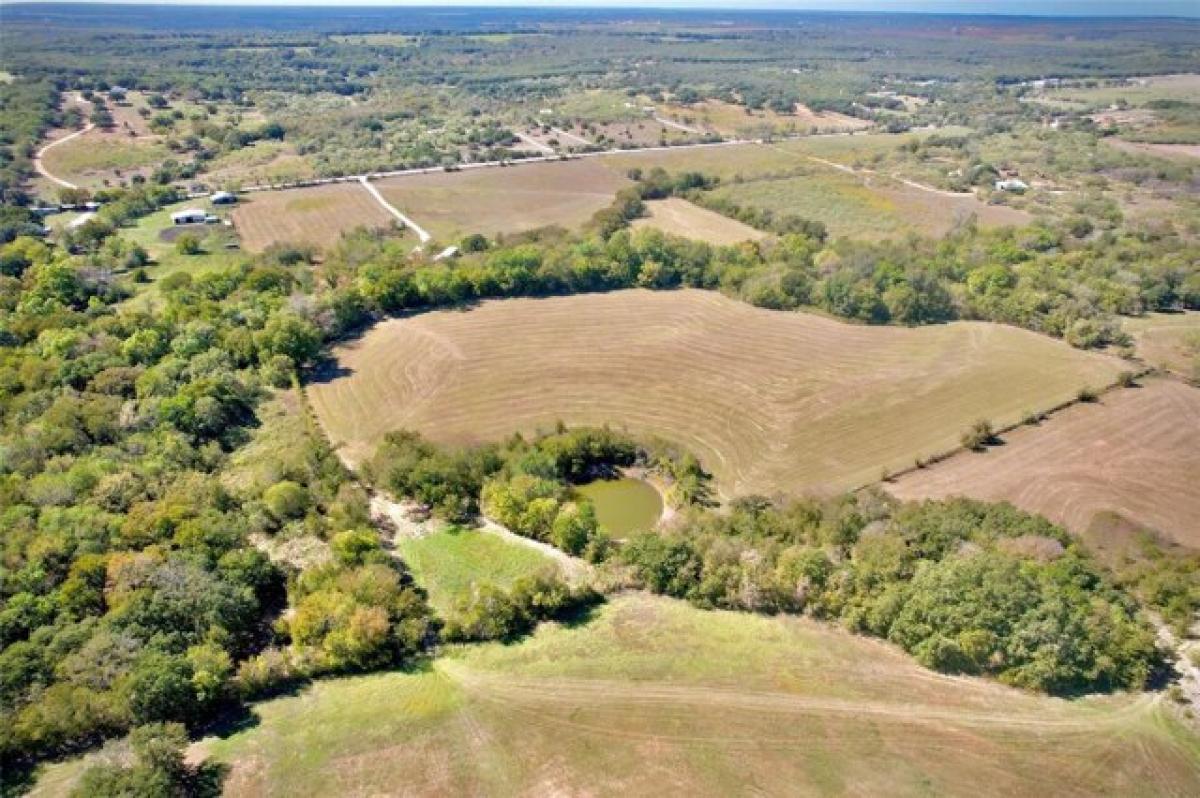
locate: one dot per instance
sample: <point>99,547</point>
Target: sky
<point>1189,8</point>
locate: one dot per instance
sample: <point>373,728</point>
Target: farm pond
<point>625,505</point>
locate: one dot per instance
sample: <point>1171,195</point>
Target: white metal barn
<point>189,216</point>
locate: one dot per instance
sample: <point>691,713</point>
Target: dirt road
<point>422,234</point>
<point>41,168</point>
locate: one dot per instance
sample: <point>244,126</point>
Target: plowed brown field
<point>770,401</point>
<point>1136,454</point>
<point>506,200</point>
<point>316,215</point>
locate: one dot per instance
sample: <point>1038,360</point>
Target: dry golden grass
<point>1136,454</point>
<point>682,218</point>
<point>653,697</point>
<point>770,401</point>
<point>726,119</point>
<point>1174,151</point>
<point>317,215</point>
<point>1169,341</point>
<point>100,157</point>
<point>868,205</point>
<point>504,200</point>
<point>725,161</point>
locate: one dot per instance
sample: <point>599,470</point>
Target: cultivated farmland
<point>1135,454</point>
<point>682,218</point>
<point>504,200</point>
<point>653,697</point>
<point>316,215</point>
<point>770,401</point>
<point>726,161</point>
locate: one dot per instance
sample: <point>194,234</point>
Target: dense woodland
<point>136,593</point>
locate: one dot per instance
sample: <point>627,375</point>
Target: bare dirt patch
<point>317,215</point>
<point>1135,454</point>
<point>1174,151</point>
<point>504,200</point>
<point>770,401</point>
<point>682,218</point>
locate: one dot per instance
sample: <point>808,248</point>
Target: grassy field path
<point>653,697</point>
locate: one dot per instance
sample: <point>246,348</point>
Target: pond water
<point>625,505</point>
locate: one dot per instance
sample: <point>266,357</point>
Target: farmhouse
<point>189,216</point>
<point>224,198</point>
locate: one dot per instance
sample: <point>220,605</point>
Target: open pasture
<point>1184,152</point>
<point>1134,91</point>
<point>868,205</point>
<point>727,119</point>
<point>316,215</point>
<point>450,561</point>
<point>653,697</point>
<point>1135,454</point>
<point>504,200</point>
<point>776,159</point>
<point>1169,341</point>
<point>726,161</point>
<point>646,132</point>
<point>682,218</point>
<point>593,105</point>
<point>769,401</point>
<point>260,163</point>
<point>97,158</point>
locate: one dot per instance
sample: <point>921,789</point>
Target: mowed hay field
<point>504,200</point>
<point>316,215</point>
<point>777,159</point>
<point>770,401</point>
<point>1169,341</point>
<point>653,697</point>
<point>868,206</point>
<point>1135,454</point>
<point>725,161</point>
<point>682,218</point>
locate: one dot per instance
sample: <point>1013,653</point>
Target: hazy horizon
<point>1047,8</point>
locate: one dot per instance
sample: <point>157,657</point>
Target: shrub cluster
<point>491,613</point>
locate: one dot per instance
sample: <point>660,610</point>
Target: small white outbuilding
<point>189,216</point>
<point>1012,184</point>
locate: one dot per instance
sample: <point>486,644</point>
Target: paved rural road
<point>429,170</point>
<point>41,168</point>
